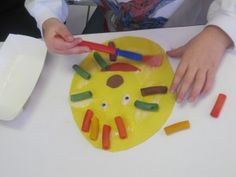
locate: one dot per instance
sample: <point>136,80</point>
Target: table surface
<point>44,141</point>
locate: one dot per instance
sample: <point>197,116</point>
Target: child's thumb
<point>65,34</point>
<point>176,52</point>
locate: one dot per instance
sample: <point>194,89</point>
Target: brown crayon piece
<point>153,90</point>
<point>112,57</point>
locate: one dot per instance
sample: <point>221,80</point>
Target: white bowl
<point>21,62</point>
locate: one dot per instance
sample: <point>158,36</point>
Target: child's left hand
<point>59,39</point>
<point>200,58</point>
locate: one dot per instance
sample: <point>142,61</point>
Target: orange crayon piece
<point>121,127</point>
<point>215,112</point>
<point>106,136</point>
<point>177,127</point>
<point>87,120</point>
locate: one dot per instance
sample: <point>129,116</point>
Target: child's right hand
<point>59,39</point>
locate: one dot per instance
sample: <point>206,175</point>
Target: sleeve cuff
<point>227,23</point>
<point>42,18</point>
<point>42,12</point>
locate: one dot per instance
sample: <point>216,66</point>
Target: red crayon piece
<point>98,47</point>
<point>121,127</point>
<point>87,120</point>
<point>218,105</point>
<point>106,136</point>
<point>122,67</point>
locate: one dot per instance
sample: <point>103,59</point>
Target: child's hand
<point>59,40</point>
<point>200,58</point>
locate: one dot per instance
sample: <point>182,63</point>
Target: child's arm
<point>201,56</point>
<point>42,10</point>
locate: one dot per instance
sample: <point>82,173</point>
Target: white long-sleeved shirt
<point>42,10</point>
<point>221,13</point>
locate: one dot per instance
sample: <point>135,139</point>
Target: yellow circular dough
<point>108,103</point>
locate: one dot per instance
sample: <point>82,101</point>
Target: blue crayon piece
<point>128,54</point>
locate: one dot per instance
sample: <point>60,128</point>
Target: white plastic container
<point>21,62</point>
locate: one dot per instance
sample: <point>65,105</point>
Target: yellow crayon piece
<point>177,127</point>
<point>94,128</point>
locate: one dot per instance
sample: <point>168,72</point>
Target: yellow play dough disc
<point>107,102</point>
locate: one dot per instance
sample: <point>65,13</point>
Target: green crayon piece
<point>81,96</point>
<point>101,62</point>
<point>146,106</point>
<point>84,74</point>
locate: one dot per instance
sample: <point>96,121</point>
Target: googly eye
<point>126,99</point>
<point>104,105</point>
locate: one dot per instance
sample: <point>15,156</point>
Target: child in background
<point>199,58</point>
<point>138,14</point>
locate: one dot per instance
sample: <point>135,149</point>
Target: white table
<point>44,140</point>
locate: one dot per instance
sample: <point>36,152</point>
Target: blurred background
<point>80,12</point>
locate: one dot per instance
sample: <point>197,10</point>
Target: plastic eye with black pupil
<point>126,99</point>
<point>104,105</point>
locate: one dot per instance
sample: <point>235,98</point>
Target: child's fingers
<point>64,33</point>
<point>210,78</point>
<point>60,44</point>
<point>180,71</point>
<point>198,85</point>
<point>75,50</point>
<point>176,52</point>
<point>186,83</point>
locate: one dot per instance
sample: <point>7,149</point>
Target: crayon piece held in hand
<point>121,127</point>
<point>81,96</point>
<point>153,90</point>
<point>177,127</point>
<point>106,136</point>
<point>87,120</point>
<point>146,106</point>
<point>101,62</point>
<point>94,128</point>
<point>98,47</point>
<point>152,61</point>
<point>111,50</point>
<point>215,112</point>
<point>84,74</point>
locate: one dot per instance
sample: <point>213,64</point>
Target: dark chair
<point>14,18</point>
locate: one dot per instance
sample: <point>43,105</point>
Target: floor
<point>77,17</point>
